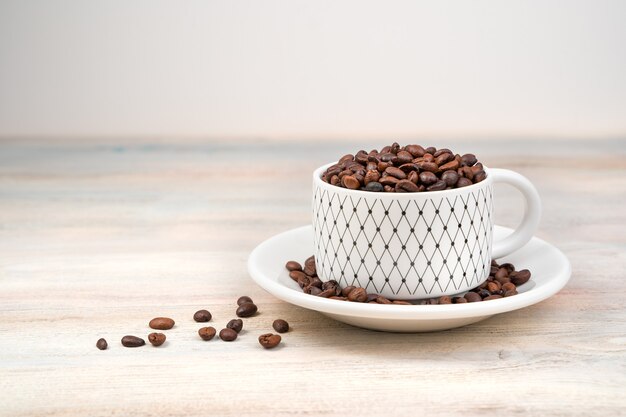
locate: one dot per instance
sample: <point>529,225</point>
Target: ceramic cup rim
<point>317,179</point>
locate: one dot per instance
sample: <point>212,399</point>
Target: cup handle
<point>532,212</point>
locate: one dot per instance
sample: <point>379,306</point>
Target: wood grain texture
<point>98,237</point>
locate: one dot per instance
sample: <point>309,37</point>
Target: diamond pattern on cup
<point>359,238</point>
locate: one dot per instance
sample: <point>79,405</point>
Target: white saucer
<point>549,267</point>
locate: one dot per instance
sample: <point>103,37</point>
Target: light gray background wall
<point>312,69</point>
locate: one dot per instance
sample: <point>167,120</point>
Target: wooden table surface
<point>98,237</point>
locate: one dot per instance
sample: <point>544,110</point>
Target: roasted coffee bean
<point>408,168</point>
<point>520,277</point>
<point>156,339</point>
<point>327,293</point>
<point>438,186</point>
<point>346,158</point>
<point>404,157</point>
<point>406,186</point>
<point>293,266</point>
<point>228,335</point>
<point>244,299</point>
<point>161,323</point>
<point>401,302</point>
<point>350,182</point>
<point>484,293</point>
<point>311,289</point>
<point>459,300</point>
<point>444,299</point>
<point>269,340</point>
<point>415,150</point>
<point>501,273</point>
<point>132,341</point>
<point>468,159</point>
<point>427,178</point>
<point>346,290</point>
<point>358,295</point>
<point>452,165</point>
<point>480,176</point>
<point>396,172</point>
<point>207,333</point>
<point>332,285</point>
<point>297,275</point>
<point>443,159</point>
<point>371,297</point>
<point>492,297</point>
<point>334,297</point>
<point>371,176</point>
<point>472,297</point>
<point>508,286</point>
<point>389,180</point>
<point>281,326</point>
<point>450,178</point>
<point>428,166</point>
<point>246,310</point>
<point>463,182</point>
<point>235,324</point>
<point>102,344</point>
<point>374,186</point>
<point>509,293</point>
<point>202,316</point>
<point>310,269</point>
<point>493,287</point>
<point>382,300</point>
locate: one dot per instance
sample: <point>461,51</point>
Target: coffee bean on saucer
<point>402,302</point>
<point>228,335</point>
<point>492,297</point>
<point>281,326</point>
<point>520,277</point>
<point>293,266</point>
<point>472,297</point>
<point>269,340</point>
<point>156,339</point>
<point>346,290</point>
<point>206,333</point>
<point>102,344</point>
<point>133,341</point>
<point>161,323</point>
<point>459,300</point>
<point>235,324</point>
<point>358,295</point>
<point>202,316</point>
<point>246,310</point>
<point>444,299</point>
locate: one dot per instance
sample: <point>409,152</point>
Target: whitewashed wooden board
<point>97,237</point>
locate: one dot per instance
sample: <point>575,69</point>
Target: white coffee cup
<point>414,245</point>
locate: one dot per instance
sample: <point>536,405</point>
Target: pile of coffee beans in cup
<point>407,169</point>
<point>502,282</point>
<point>245,308</point>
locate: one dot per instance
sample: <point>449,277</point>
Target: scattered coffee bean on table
<point>156,339</point>
<point>133,341</point>
<point>246,310</point>
<point>228,335</point>
<point>269,340</point>
<point>407,169</point>
<point>501,282</point>
<point>161,323</point>
<point>207,333</point>
<point>244,299</point>
<point>202,316</point>
<point>102,344</point>
<point>281,326</point>
<point>235,324</point>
